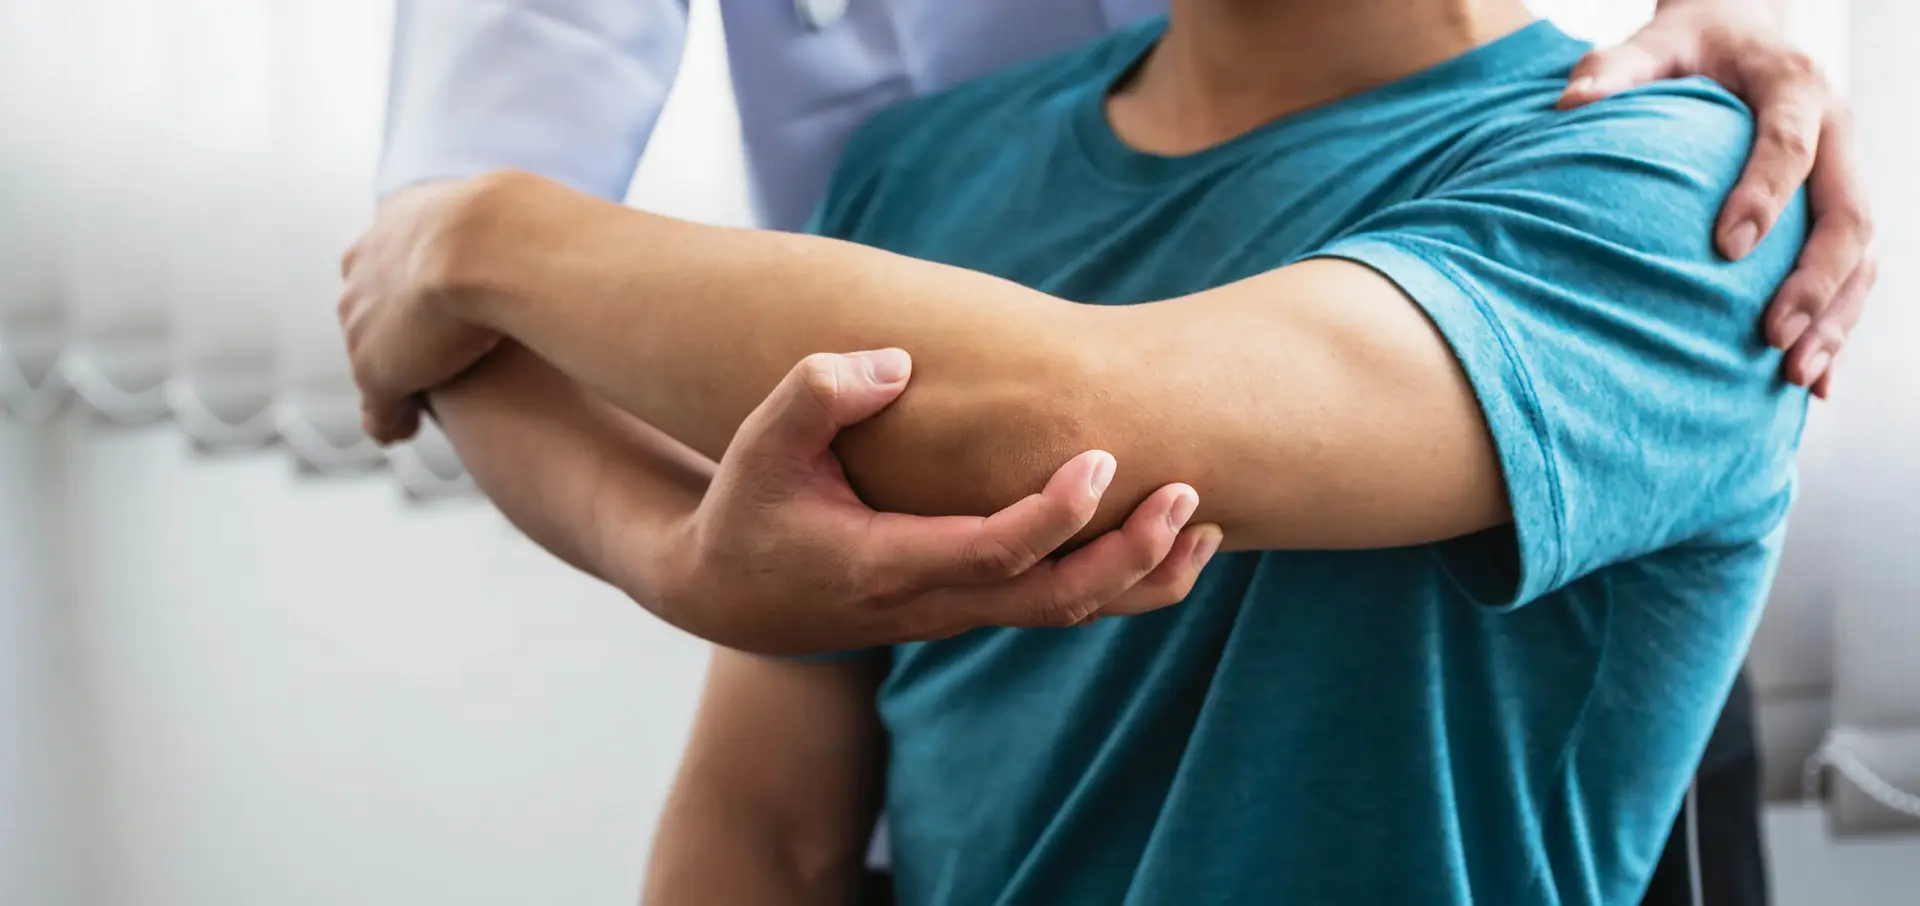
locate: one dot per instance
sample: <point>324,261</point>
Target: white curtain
<point>1873,750</point>
<point>30,319</point>
<point>178,179</point>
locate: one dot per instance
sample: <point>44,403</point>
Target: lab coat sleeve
<point>568,89</point>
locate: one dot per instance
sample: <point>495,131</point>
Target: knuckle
<point>1180,588</point>
<point>1869,271</point>
<point>1857,222</point>
<point>1832,332</point>
<point>992,559</point>
<point>816,362</point>
<point>1760,196</point>
<point>1816,291</point>
<point>820,375</point>
<point>1144,557</point>
<point>1789,137</point>
<point>1067,608</point>
<point>1065,517</point>
<point>1797,64</point>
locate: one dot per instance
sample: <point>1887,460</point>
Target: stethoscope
<point>820,15</point>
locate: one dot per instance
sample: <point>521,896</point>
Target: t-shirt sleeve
<point>1618,359</point>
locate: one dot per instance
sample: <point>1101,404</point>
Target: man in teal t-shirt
<point>1506,718</point>
<point>1496,455</point>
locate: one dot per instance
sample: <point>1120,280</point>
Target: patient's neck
<point>1227,66</point>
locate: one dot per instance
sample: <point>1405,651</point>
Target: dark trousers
<point>878,890</point>
<point>1733,865</point>
<point>1727,805</point>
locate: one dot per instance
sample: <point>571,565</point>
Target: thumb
<point>823,394</point>
<point>1603,73</point>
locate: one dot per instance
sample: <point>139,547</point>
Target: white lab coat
<point>570,89</point>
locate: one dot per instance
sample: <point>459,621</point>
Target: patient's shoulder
<point>1690,121</point>
<point>1648,170</point>
<point>1688,133</point>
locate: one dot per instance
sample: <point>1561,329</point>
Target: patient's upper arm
<point>1616,356</point>
<point>781,777</point>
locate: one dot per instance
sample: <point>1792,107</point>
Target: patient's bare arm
<point>1311,406</point>
<point>779,787</point>
<point>569,469</point>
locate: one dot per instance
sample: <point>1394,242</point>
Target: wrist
<point>647,554</point>
<point>481,245</point>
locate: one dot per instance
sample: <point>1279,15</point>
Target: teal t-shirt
<point>1508,718</point>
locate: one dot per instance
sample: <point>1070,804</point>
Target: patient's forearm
<point>571,471</point>
<point>689,327</point>
<point>1312,406</point>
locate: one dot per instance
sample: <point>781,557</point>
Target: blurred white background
<point>227,679</point>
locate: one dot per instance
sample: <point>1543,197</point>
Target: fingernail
<point>1816,364</point>
<point>1204,549</point>
<point>1793,327</point>
<point>1742,240</point>
<point>1102,476</point>
<point>1182,509</point>
<point>887,366</point>
<point>1581,86</point>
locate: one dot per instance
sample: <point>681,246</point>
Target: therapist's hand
<point>391,309</point>
<point>781,557</point>
<point>1805,135</point>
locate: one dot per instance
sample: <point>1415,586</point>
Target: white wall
<point>37,697</point>
<point>309,692</point>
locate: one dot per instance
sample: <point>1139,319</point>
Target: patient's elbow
<point>967,449</point>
